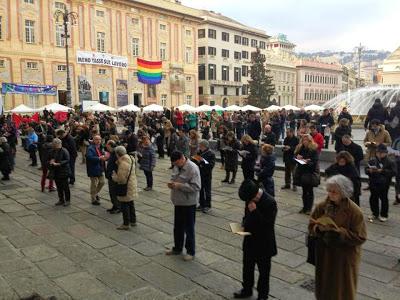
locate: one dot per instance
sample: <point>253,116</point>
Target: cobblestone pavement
<point>76,252</point>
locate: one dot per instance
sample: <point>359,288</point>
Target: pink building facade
<point>317,82</point>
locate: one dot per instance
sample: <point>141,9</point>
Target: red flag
<point>17,119</point>
<point>34,118</point>
<point>61,116</point>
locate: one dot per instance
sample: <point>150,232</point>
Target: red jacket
<point>179,118</point>
<point>319,140</point>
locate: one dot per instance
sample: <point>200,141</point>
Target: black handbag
<point>50,174</point>
<point>312,179</point>
<point>311,243</point>
<point>122,189</point>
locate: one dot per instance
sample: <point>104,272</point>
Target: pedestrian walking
<point>266,169</point>
<point>5,159</point>
<point>289,145</point>
<point>249,154</point>
<point>147,161</point>
<point>111,167</point>
<point>231,157</point>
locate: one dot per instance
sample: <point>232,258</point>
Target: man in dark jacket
<point>394,121</point>
<point>289,145</point>
<point>68,143</point>
<point>325,123</point>
<point>375,112</point>
<point>354,149</point>
<point>206,164</point>
<point>260,245</point>
<point>254,128</point>
<point>95,159</point>
<point>112,186</point>
<point>380,170</point>
<point>344,114</point>
<point>269,136</point>
<point>5,158</point>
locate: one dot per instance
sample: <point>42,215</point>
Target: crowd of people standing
<point>243,139</point>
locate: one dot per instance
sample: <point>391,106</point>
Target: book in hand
<point>243,153</point>
<point>199,159</point>
<point>300,161</point>
<point>238,229</point>
<point>326,222</point>
<point>227,148</point>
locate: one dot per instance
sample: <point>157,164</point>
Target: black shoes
<point>97,201</point>
<point>225,180</point>
<point>205,209</point>
<point>242,294</point>
<point>59,203</point>
<point>232,181</point>
<point>5,178</point>
<point>67,203</point>
<point>285,187</point>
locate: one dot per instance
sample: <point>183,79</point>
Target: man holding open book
<point>259,243</point>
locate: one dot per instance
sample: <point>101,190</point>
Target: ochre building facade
<point>32,50</point>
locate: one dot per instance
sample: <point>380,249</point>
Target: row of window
<point>326,79</point>
<point>285,88</point>
<point>244,90</point>
<point>283,76</point>
<point>212,72</point>
<point>225,53</point>
<point>319,96</point>
<point>225,36</point>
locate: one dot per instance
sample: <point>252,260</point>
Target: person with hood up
<point>376,112</point>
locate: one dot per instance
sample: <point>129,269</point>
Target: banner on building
<point>177,81</point>
<point>102,59</point>
<point>29,89</point>
<point>122,92</point>
<point>84,89</point>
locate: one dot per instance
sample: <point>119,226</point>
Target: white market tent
<point>313,107</point>
<point>129,107</point>
<point>22,109</point>
<point>273,108</point>
<point>99,107</point>
<point>204,108</point>
<point>251,108</point>
<point>55,107</point>
<point>217,108</point>
<point>186,107</point>
<point>233,108</point>
<point>289,107</point>
<point>153,107</point>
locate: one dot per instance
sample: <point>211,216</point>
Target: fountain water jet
<point>360,100</point>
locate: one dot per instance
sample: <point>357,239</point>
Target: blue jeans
<point>149,178</point>
<point>184,221</point>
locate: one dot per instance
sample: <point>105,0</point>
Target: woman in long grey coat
<point>126,174</point>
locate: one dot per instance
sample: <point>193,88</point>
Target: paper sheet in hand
<point>300,161</point>
<point>243,152</point>
<point>238,229</point>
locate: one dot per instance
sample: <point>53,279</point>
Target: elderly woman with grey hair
<point>126,175</point>
<point>338,228</point>
<point>58,166</point>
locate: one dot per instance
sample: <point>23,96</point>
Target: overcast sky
<point>318,24</point>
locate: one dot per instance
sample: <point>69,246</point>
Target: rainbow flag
<point>149,72</point>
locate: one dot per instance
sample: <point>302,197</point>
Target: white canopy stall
<point>22,109</point>
<point>153,107</point>
<point>313,107</point>
<point>55,107</point>
<point>290,107</point>
<point>204,108</point>
<point>273,108</point>
<point>99,107</point>
<point>186,107</point>
<point>251,108</point>
<point>233,108</point>
<point>129,107</point>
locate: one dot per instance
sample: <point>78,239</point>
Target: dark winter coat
<point>62,157</point>
<point>326,120</point>
<point>147,159</point>
<point>339,133</point>
<point>355,150</point>
<point>231,155</point>
<point>375,112</point>
<point>249,160</point>
<point>309,168</point>
<point>288,155</point>
<point>254,129</point>
<point>348,171</point>
<point>206,169</point>
<point>5,158</point>
<point>68,143</point>
<point>269,138</point>
<point>94,166</point>
<point>261,224</point>
<point>385,177</point>
<point>394,122</point>
<point>111,165</point>
<point>346,115</point>
<point>266,172</point>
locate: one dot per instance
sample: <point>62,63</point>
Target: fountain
<point>360,100</point>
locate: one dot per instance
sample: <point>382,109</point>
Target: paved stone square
<point>76,252</point>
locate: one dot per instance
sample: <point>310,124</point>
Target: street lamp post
<point>67,18</point>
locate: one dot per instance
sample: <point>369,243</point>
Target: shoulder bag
<point>122,189</point>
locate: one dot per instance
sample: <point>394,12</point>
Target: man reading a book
<point>260,245</point>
